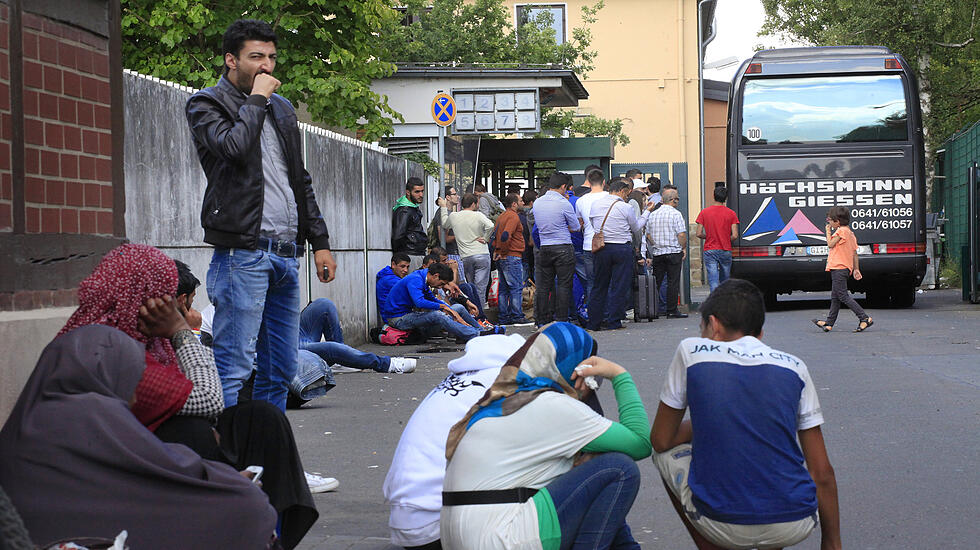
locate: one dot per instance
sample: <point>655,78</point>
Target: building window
<point>553,15</point>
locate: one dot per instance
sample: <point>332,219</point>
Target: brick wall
<point>6,188</point>
<point>68,143</point>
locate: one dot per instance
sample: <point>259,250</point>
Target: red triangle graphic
<point>801,225</point>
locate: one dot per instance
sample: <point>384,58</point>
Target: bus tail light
<point>899,248</point>
<point>756,251</point>
<point>892,64</point>
<point>754,68</point>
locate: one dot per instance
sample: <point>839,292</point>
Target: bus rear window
<point>826,109</point>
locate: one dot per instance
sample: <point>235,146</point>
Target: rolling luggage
<point>645,308</point>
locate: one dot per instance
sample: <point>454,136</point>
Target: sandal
<point>822,324</point>
<point>864,325</point>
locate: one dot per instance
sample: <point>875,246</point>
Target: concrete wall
<point>355,183</point>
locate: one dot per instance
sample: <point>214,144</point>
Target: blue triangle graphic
<point>788,238</point>
<point>769,219</point>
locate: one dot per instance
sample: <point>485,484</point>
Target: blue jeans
<point>434,319</point>
<point>310,367</point>
<point>477,270</point>
<point>613,285</point>
<point>588,260</point>
<point>320,320</point>
<point>256,316</point>
<point>718,265</point>
<point>459,266</point>
<point>592,501</point>
<point>470,291</point>
<point>465,314</point>
<point>511,288</point>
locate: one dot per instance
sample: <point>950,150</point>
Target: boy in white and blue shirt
<point>735,468</point>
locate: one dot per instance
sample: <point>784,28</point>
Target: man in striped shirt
<point>666,233</point>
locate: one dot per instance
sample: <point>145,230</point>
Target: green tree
<point>479,31</point>
<point>328,51</point>
<point>939,38</point>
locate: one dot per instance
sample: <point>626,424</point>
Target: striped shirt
<point>662,228</point>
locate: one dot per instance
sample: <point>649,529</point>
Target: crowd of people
<point>147,416</point>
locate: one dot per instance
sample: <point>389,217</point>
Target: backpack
<point>433,232</point>
<point>391,336</point>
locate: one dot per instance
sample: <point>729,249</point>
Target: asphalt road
<point>901,402</point>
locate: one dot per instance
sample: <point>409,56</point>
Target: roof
<point>570,80</point>
<point>716,89</point>
<point>788,54</point>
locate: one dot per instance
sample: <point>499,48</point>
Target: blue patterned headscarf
<point>545,362</point>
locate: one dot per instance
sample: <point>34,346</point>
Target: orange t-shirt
<point>841,256</point>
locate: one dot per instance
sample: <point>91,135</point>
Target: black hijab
<point>76,462</point>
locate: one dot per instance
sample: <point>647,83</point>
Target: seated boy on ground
<point>735,472</point>
<point>390,275</point>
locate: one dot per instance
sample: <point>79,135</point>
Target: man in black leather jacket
<point>258,212</point>
<point>407,232</point>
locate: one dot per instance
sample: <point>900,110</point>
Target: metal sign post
<point>973,264</point>
<point>443,113</point>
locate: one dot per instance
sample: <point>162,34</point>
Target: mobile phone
<point>257,470</point>
<point>326,273</point>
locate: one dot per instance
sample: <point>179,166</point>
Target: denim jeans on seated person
<point>477,269</point>
<point>256,317</point>
<point>718,265</point>
<point>511,288</point>
<point>428,321</point>
<point>469,289</point>
<point>592,501</point>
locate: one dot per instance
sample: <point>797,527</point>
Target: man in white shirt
<point>614,261</point>
<point>472,230</point>
<point>667,244</point>
<point>597,181</point>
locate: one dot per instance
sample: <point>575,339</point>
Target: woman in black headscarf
<point>76,462</point>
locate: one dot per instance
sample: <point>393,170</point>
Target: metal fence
<point>950,188</point>
<point>355,183</point>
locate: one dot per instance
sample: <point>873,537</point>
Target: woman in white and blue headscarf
<point>516,476</point>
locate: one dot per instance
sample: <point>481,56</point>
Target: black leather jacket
<point>407,233</point>
<point>227,130</point>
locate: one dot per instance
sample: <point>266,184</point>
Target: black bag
<point>645,307</point>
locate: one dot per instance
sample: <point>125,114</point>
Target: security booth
<point>529,162</point>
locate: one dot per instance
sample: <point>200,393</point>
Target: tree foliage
<point>328,50</point>
<point>940,38</point>
<point>480,31</point>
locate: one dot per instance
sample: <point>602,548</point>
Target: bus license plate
<point>816,251</point>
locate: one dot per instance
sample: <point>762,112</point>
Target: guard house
<point>490,102</point>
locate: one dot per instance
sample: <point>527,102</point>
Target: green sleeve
<point>631,435</point>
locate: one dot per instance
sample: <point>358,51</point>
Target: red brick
<point>6,186</point>
<point>33,131</point>
<point>33,75</point>
<point>83,60</point>
<point>4,157</point>
<point>5,121</point>
<point>100,64</point>
<point>31,160</point>
<point>69,220</point>
<point>86,114</point>
<point>66,110</point>
<point>69,165</point>
<point>4,97</point>
<point>74,194</point>
<point>107,196</point>
<point>105,144</point>
<point>90,141</point>
<point>86,167</point>
<point>47,49</point>
<point>73,138</point>
<point>32,219</point>
<point>49,163</point>
<point>52,79</point>
<point>4,66</point>
<point>105,93</point>
<point>32,21</point>
<point>56,29</point>
<point>66,55</point>
<point>23,300</point>
<point>6,217</point>
<point>51,220</point>
<point>47,106</point>
<point>4,33</point>
<point>96,42</point>
<point>30,103</point>
<point>72,84</point>
<point>86,222</point>
<point>90,88</point>
<point>93,194</point>
<point>103,169</point>
<point>69,296</point>
<point>105,222</point>
<point>54,136</point>
<point>54,192</point>
<point>30,45</point>
<point>103,117</point>
<point>33,190</point>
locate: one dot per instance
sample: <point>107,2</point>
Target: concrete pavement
<point>900,401</point>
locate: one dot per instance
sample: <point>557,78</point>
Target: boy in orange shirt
<point>842,259</point>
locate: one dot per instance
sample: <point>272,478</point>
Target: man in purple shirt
<point>556,220</point>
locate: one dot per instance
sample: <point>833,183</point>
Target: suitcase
<point>645,307</point>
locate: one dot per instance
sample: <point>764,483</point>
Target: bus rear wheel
<point>903,296</point>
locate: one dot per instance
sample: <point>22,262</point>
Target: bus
<point>811,128</point>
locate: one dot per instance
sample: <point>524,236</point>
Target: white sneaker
<point>401,365</point>
<point>337,368</point>
<point>321,484</point>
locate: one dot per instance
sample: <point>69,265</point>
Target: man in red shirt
<point>509,250</point>
<point>718,226</point>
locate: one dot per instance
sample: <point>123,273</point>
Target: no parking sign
<point>443,109</point>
